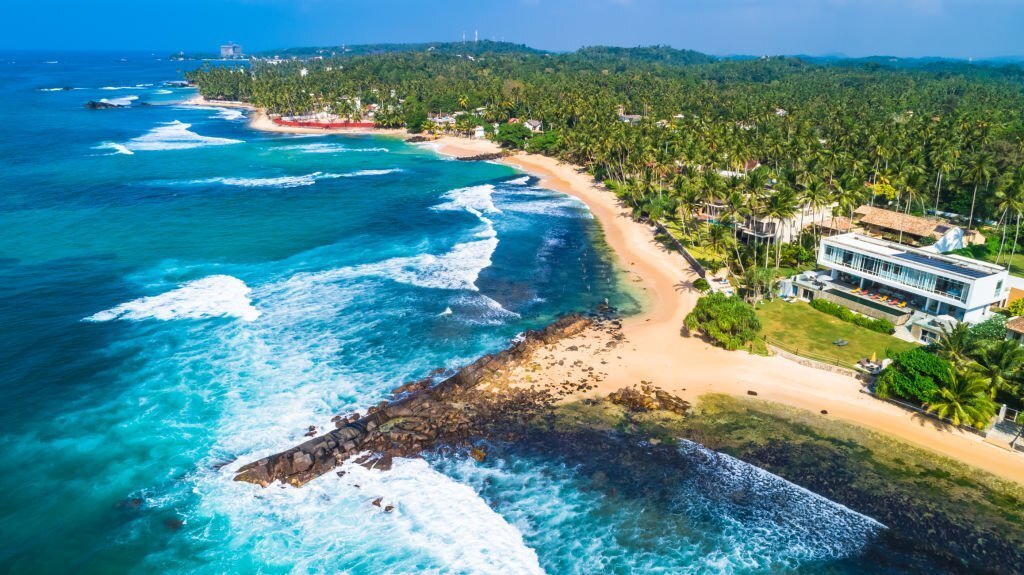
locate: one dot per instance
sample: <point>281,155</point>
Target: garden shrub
<point>880,325</point>
<point>914,375</point>
<point>726,320</point>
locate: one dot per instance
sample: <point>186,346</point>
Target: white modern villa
<point>911,287</point>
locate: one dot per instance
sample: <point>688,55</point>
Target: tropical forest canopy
<point>913,135</point>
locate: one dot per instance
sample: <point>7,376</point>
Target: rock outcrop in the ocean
<point>101,105</point>
<point>423,415</point>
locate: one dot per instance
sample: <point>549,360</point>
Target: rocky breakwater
<point>475,401</point>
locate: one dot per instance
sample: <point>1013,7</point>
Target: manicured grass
<point>807,331</point>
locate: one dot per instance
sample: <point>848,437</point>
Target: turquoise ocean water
<point>182,294</point>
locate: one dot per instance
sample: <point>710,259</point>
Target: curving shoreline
<point>652,349</point>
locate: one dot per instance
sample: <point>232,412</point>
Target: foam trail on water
<point>290,181</point>
<point>219,112</point>
<point>279,182</point>
<point>326,148</point>
<point>360,173</point>
<point>213,296</point>
<point>174,136</point>
<point>457,269</point>
<point>447,519</point>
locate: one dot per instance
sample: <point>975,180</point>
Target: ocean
<point>182,295</point>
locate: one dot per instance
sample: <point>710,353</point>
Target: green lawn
<point>807,331</point>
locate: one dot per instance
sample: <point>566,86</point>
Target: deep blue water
<point>182,294</point>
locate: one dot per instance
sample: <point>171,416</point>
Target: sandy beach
<point>653,349</point>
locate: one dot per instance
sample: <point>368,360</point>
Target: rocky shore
<point>423,414</point>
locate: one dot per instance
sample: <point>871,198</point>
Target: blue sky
<point>956,28</point>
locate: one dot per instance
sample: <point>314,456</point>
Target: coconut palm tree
<point>1000,364</point>
<point>781,206</point>
<point>954,343</point>
<point>965,400</point>
<point>979,170</point>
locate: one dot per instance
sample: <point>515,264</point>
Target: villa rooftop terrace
<point>960,265</point>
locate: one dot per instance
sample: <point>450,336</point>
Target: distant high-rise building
<point>230,50</point>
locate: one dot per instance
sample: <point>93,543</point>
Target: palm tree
<point>964,400</point>
<point>735,212</point>
<point>1000,364</point>
<point>942,159</point>
<point>978,171</point>
<point>1017,192</point>
<point>781,206</point>
<point>954,343</point>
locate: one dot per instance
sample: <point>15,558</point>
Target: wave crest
<point>213,296</point>
<point>174,136</point>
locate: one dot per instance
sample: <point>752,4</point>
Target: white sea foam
<point>327,148</point>
<point>290,181</point>
<point>231,114</point>
<point>279,182</point>
<point>124,101</point>
<point>457,269</point>
<point>361,173</point>
<point>519,181</point>
<point>58,89</point>
<point>774,522</point>
<point>476,200</point>
<point>162,92</point>
<point>559,207</point>
<point>479,309</point>
<point>728,517</point>
<point>118,148</point>
<point>118,88</point>
<point>213,296</point>
<point>174,136</point>
<point>446,519</point>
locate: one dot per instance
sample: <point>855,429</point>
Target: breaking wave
<point>726,516</point>
<point>118,148</point>
<point>213,296</point>
<point>124,101</point>
<point>173,136</point>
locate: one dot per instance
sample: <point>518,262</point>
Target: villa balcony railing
<point>956,299</point>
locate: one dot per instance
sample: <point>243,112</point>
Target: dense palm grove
<point>946,137</point>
